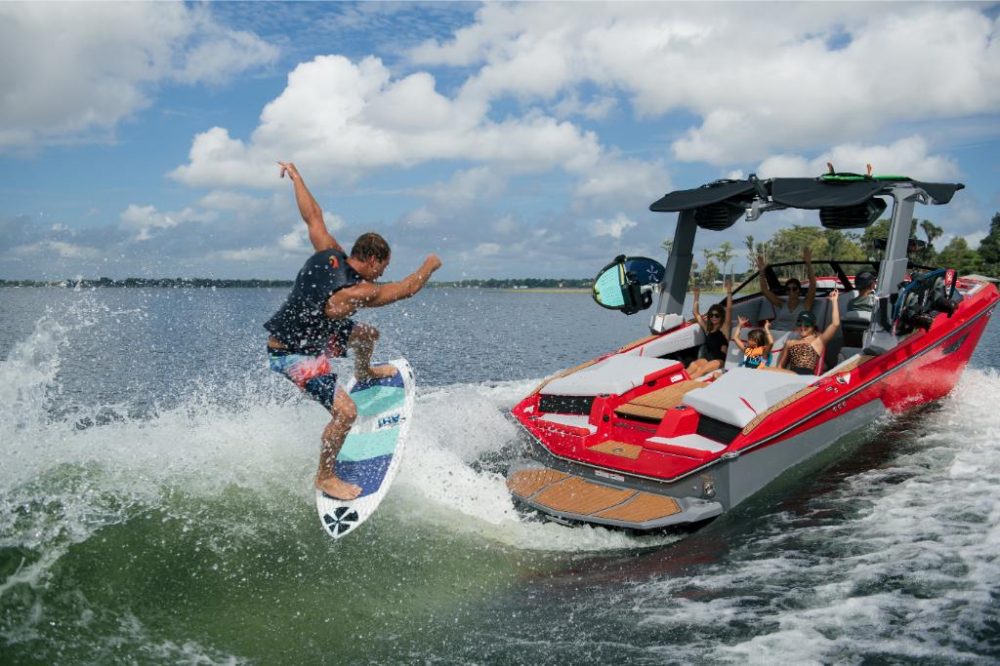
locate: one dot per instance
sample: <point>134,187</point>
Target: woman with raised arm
<point>715,325</point>
<point>787,310</point>
<point>804,356</point>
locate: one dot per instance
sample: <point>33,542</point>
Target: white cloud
<point>461,204</point>
<point>613,228</point>
<point>974,239</point>
<point>336,118</point>
<point>238,201</point>
<point>505,225</point>
<point>420,218</point>
<point>145,219</point>
<point>466,188</point>
<point>617,180</point>
<point>487,249</point>
<point>73,71</point>
<point>61,249</point>
<point>761,78</point>
<point>296,241</point>
<point>597,108</point>
<point>907,157</point>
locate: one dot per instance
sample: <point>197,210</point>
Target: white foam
<point>453,427</point>
<point>911,574</point>
<point>64,482</point>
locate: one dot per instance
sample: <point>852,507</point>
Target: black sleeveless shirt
<point>715,346</point>
<point>301,323</point>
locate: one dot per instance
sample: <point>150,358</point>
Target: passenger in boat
<point>715,324</point>
<point>786,310</point>
<point>804,355</point>
<point>864,303</point>
<point>314,324</point>
<point>757,349</point>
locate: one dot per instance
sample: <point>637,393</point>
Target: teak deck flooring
<point>568,494</point>
<point>653,405</point>
<point>622,449</point>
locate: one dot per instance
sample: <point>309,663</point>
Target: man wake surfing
<point>314,324</point>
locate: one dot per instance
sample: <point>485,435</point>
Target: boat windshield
<point>829,273</point>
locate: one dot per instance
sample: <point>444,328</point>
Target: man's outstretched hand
<point>432,262</point>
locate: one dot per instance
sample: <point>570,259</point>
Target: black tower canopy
<point>845,201</point>
<point>716,205</point>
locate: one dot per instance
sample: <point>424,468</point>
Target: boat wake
<point>895,560</point>
<point>73,464</point>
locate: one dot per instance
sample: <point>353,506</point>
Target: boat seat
<point>854,323</point>
<point>692,446</point>
<point>683,338</point>
<point>572,422</point>
<point>846,353</point>
<point>739,395</point>
<point>614,375</point>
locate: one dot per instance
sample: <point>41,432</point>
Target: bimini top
<point>845,201</point>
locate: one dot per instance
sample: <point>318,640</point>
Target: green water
<point>238,577</point>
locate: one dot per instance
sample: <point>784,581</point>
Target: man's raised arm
<point>319,235</point>
<point>408,286</point>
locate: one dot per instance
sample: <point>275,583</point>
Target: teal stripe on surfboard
<point>377,399</point>
<point>365,445</point>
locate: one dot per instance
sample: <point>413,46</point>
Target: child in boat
<point>805,355</point>
<point>757,349</point>
<point>715,324</point>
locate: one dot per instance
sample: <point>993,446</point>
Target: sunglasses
<point>714,315</point>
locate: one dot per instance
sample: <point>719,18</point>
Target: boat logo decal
<point>953,347</point>
<point>342,520</point>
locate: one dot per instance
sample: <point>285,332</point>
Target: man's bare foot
<point>337,488</point>
<point>378,372</point>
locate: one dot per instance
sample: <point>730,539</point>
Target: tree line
<point>520,283</point>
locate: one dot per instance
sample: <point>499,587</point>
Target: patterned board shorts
<point>312,374</point>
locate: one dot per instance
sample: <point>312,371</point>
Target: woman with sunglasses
<point>804,356</point>
<point>715,324</point>
<point>787,310</point>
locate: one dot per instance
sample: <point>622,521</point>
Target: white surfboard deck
<point>373,449</point>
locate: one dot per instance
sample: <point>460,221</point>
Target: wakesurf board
<point>373,448</point>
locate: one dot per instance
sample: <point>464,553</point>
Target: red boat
<point>630,440</point>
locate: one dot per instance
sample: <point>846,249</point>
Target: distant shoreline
<point>543,290</point>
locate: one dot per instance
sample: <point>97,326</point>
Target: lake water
<point>156,507</point>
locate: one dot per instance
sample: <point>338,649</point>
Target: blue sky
<point>511,139</point>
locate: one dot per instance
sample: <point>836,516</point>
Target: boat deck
<point>652,406</point>
<point>573,497</point>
